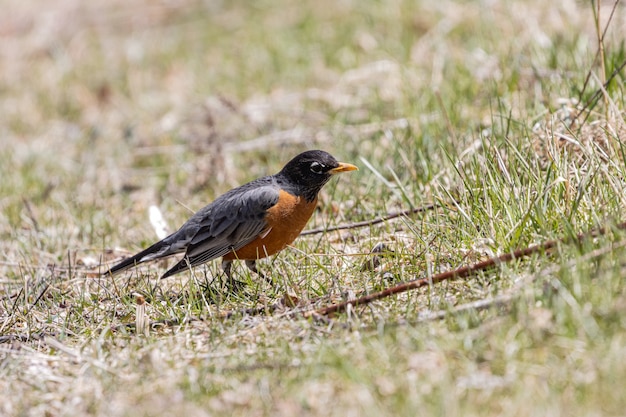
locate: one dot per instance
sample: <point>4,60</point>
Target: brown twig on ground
<point>369,222</point>
<point>478,305</point>
<point>460,272</point>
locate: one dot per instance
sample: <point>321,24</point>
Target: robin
<point>250,222</point>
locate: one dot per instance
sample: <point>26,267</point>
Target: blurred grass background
<point>110,107</point>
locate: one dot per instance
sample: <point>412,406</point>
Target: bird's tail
<point>155,251</point>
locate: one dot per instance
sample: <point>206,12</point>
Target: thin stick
<point>369,222</point>
<point>478,305</point>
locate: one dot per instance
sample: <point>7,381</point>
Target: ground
<point>496,125</point>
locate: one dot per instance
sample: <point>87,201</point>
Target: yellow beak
<point>343,167</point>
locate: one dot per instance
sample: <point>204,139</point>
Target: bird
<point>250,222</point>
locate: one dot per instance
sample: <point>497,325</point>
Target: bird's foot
<point>234,286</point>
<point>252,267</point>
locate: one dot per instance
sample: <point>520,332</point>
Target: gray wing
<point>229,223</point>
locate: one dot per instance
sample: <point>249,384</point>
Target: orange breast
<point>286,219</point>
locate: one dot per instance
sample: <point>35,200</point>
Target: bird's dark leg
<point>251,264</point>
<point>232,284</point>
<point>226,266</point>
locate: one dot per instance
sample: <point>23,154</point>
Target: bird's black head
<point>307,173</point>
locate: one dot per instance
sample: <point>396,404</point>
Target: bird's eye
<point>316,167</point>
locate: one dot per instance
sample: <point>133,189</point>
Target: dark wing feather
<point>231,222</point>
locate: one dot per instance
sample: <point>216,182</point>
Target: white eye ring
<point>316,167</point>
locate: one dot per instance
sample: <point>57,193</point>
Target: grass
<point>109,108</point>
